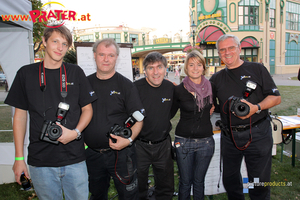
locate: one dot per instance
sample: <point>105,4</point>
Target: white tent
<point>16,50</point>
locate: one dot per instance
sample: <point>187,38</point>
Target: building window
<point>272,13</point>
<point>248,15</point>
<point>249,55</point>
<point>292,16</point>
<point>211,56</point>
<point>134,39</point>
<point>116,36</point>
<point>292,55</point>
<point>272,18</point>
<point>87,38</point>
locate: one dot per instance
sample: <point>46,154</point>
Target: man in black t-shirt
<point>55,165</point>
<point>245,134</point>
<point>154,144</point>
<point>118,99</point>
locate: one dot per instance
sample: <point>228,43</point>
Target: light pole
<point>193,26</point>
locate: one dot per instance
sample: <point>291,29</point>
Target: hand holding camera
<point>125,132</point>
<point>239,107</point>
<point>51,131</point>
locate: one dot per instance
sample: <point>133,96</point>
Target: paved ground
<point>280,79</point>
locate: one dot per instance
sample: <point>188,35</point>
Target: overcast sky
<point>166,16</point>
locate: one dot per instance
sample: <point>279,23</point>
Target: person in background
<point>182,73</point>
<point>244,134</point>
<point>154,143</point>
<point>118,99</point>
<point>194,141</point>
<point>47,90</point>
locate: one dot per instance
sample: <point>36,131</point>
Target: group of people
<point>94,145</point>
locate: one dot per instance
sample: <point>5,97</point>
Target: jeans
<point>193,158</point>
<point>159,156</point>
<point>120,165</point>
<point>258,158</point>
<point>54,182</point>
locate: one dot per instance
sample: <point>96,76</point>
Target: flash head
<point>63,106</point>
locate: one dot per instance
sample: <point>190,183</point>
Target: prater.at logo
<point>54,18</point>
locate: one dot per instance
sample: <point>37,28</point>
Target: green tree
<point>71,56</point>
<point>38,27</point>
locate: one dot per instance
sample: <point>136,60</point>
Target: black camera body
<point>50,132</point>
<point>125,132</point>
<point>237,107</point>
<point>119,131</point>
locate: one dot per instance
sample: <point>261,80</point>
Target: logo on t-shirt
<point>275,90</point>
<point>242,77</point>
<point>114,92</point>
<point>92,93</point>
<point>165,99</point>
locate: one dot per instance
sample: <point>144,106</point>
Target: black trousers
<point>258,158</point>
<point>120,165</point>
<point>159,156</point>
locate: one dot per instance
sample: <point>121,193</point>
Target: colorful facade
<point>268,30</point>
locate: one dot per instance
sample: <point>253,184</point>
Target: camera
<point>240,108</point>
<point>125,132</point>
<point>237,107</point>
<point>119,131</point>
<point>51,131</point>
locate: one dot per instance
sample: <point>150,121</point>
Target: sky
<point>165,16</point>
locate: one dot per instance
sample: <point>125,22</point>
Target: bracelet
<point>19,158</point>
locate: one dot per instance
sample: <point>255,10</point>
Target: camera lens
<point>241,109</point>
<point>126,133</point>
<point>54,132</point>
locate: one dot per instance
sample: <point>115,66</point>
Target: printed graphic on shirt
<point>114,92</point>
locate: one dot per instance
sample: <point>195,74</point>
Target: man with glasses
<point>118,99</point>
<point>243,106</point>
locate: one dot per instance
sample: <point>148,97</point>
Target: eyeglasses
<point>230,49</point>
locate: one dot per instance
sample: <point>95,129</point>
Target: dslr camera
<point>240,108</point>
<point>50,130</point>
<point>125,131</point>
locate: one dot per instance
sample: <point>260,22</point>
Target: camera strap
<point>63,79</point>
<point>233,77</point>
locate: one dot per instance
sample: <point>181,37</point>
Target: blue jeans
<point>52,182</point>
<point>193,158</point>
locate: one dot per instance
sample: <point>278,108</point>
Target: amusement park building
<point>268,30</point>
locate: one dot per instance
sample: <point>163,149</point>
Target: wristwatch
<point>130,140</point>
<point>259,109</point>
<point>78,134</point>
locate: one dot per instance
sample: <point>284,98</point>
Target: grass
<point>282,172</point>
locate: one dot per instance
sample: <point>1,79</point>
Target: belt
<point>246,127</point>
<point>152,142</point>
<point>102,150</point>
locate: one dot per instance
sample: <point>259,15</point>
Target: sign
<point>272,35</point>
<point>162,40</point>
<point>210,16</point>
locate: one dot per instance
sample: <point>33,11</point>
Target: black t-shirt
<point>117,99</point>
<point>25,94</point>
<point>224,87</point>
<point>192,123</point>
<point>158,103</point>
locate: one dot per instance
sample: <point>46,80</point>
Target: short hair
<point>197,55</point>
<point>63,30</point>
<point>107,42</point>
<point>226,36</point>
<point>153,57</point>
